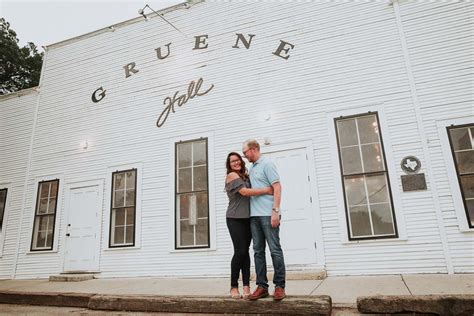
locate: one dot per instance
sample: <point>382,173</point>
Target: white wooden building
<point>115,163</point>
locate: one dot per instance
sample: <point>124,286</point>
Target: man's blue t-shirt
<point>263,173</point>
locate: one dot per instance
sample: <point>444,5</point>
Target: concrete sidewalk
<point>344,290</point>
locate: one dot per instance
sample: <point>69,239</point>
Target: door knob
<point>67,235</point>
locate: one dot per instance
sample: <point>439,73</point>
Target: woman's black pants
<point>239,229</point>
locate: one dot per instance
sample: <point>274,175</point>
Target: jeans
<point>262,231</point>
<point>239,229</point>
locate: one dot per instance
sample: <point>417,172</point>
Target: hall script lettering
<point>200,43</point>
<point>180,100</point>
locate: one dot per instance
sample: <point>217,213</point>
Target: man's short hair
<point>252,143</point>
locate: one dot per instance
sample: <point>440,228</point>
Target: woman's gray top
<point>239,205</point>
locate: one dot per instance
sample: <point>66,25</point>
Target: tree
<point>20,68</point>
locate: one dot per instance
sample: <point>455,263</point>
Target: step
<point>298,275</point>
<point>292,305</point>
<point>71,277</point>
<point>462,304</point>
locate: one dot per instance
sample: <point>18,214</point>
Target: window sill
<point>186,250</point>
<point>122,248</point>
<point>36,252</point>
<point>371,241</point>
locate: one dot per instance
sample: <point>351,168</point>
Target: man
<point>265,221</point>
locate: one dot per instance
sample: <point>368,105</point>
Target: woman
<point>238,220</point>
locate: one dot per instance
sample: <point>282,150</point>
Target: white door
<point>297,235</point>
<point>82,229</point>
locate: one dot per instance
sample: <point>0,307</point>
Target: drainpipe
<point>424,139</point>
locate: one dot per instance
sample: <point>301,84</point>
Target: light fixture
<point>84,144</point>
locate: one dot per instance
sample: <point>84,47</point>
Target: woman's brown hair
<point>242,172</point>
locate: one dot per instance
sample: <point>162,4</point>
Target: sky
<point>46,22</point>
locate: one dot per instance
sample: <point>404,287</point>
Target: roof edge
<point>19,93</point>
<point>184,5</point>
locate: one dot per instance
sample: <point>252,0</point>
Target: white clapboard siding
<point>347,55</point>
<point>439,40</point>
<point>16,124</point>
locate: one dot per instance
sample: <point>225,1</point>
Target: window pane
<point>460,138</point>
<point>202,207</point>
<point>54,189</point>
<point>470,210</point>
<point>43,223</point>
<point>183,206</point>
<point>41,240</point>
<point>118,199</point>
<point>129,233</point>
<point>351,160</point>
<point>377,189</point>
<point>130,216</point>
<point>119,235</point>
<point>355,190</point>
<point>119,181</point>
<point>130,197</point>
<point>200,178</point>
<point>44,189</point>
<point>119,217</point>
<point>130,175</point>
<point>184,155</point>
<point>43,206</point>
<point>467,183</point>
<point>49,239</point>
<point>360,222</point>
<point>202,230</point>
<point>372,158</point>
<point>52,206</point>
<point>382,219</point>
<point>465,161</point>
<point>3,198</point>
<point>199,153</point>
<point>347,132</point>
<point>187,234</point>
<point>368,129</point>
<point>184,180</point>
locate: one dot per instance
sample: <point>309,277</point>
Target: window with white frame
<point>45,215</point>
<point>461,139</point>
<point>123,210</point>
<point>191,193</point>
<point>3,205</point>
<point>367,194</point>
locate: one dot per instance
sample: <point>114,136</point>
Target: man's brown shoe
<point>279,294</point>
<point>260,292</point>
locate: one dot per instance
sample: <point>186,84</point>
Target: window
<point>45,215</point>
<point>123,217</point>
<point>461,139</point>
<point>191,193</point>
<point>3,205</point>
<point>367,195</point>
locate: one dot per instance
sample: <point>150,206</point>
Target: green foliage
<point>20,68</point>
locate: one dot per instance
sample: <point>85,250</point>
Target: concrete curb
<point>292,305</point>
<point>45,299</point>
<point>426,304</point>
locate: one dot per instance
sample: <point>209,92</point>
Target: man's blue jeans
<point>262,231</point>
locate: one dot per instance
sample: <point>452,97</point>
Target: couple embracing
<point>254,214</point>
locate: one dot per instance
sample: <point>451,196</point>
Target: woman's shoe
<point>235,295</point>
<point>245,296</point>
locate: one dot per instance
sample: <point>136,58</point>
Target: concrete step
<point>316,274</point>
<point>71,277</point>
<point>292,305</point>
<point>462,304</point>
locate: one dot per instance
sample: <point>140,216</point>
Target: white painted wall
<point>439,41</point>
<point>16,124</point>
<point>348,57</point>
